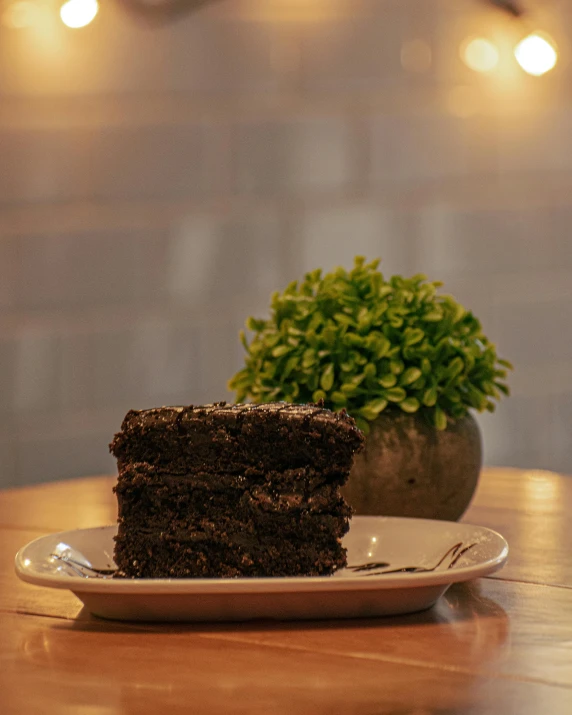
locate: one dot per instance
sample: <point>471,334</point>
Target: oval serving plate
<point>395,566</point>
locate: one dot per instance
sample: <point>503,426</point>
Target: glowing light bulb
<point>480,54</point>
<point>536,54</point>
<point>78,13</point>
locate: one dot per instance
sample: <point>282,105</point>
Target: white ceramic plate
<point>379,580</point>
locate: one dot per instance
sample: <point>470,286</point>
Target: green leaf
<point>339,399</point>
<point>255,324</point>
<point>433,316</point>
<point>503,388</point>
<point>308,359</point>
<point>410,404</point>
<point>367,414</point>
<point>377,405</point>
<point>453,395</point>
<point>354,340</point>
<point>343,319</point>
<point>318,395</point>
<point>477,398</point>
<point>409,376</point>
<point>269,370</point>
<point>291,363</point>
<point>490,390</point>
<point>412,336</point>
<point>388,380</point>
<point>430,397</point>
<point>458,313</point>
<point>383,347</point>
<point>362,424</point>
<point>313,381</point>
<point>369,370</point>
<point>280,350</point>
<point>396,366</point>
<point>329,336</point>
<point>352,385</point>
<point>316,320</point>
<point>425,366</point>
<point>395,394</point>
<point>272,339</point>
<point>327,379</point>
<point>357,379</point>
<point>456,367</point>
<point>440,419</point>
<point>296,332</point>
<point>371,411</point>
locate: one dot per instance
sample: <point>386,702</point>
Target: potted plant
<point>408,363</point>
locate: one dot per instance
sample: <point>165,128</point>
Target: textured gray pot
<point>408,468</point>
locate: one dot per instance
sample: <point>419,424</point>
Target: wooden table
<point>498,645</point>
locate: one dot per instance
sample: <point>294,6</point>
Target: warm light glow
<point>541,486</point>
<point>480,54</point>
<point>536,54</point>
<point>78,13</point>
<point>542,500</point>
<point>20,14</point>
<point>416,56</point>
<point>463,101</point>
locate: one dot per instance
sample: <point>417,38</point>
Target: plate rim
<point>290,584</point>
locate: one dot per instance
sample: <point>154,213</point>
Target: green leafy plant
<point>358,341</point>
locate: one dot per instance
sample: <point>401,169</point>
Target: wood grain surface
<point>501,644</point>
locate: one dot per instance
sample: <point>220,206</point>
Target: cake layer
<point>235,531</point>
<point>141,491</point>
<point>232,439</point>
<point>299,481</point>
<point>142,555</point>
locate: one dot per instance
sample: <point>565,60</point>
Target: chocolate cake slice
<point>232,490</point>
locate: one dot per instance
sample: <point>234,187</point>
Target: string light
<point>78,13</point>
<point>480,54</point>
<point>536,54</point>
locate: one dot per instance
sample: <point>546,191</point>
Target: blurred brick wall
<point>158,184</point>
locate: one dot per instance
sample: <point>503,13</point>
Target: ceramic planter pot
<point>408,468</point>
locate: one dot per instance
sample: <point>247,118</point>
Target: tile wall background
<point>158,183</point>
